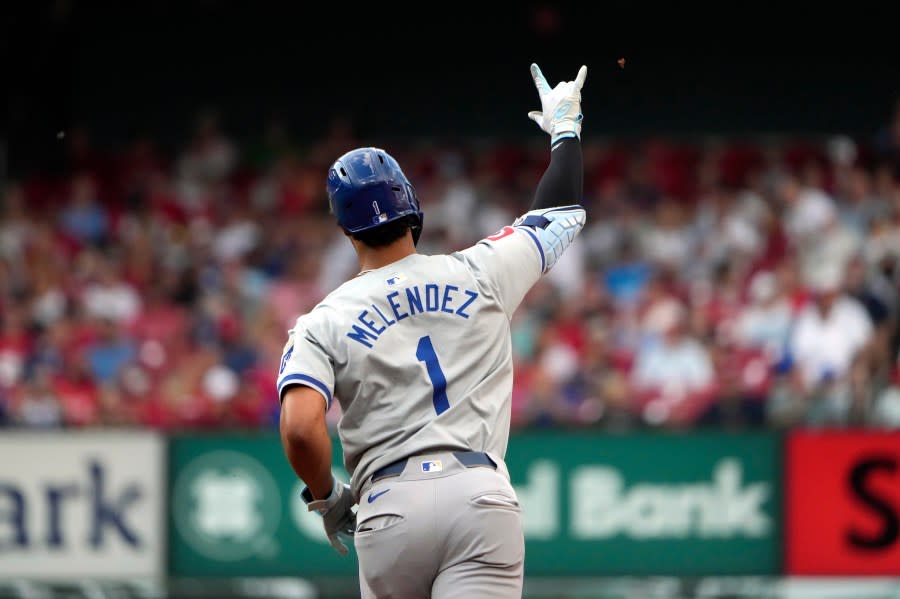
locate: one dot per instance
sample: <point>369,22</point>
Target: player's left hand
<point>337,514</point>
<point>560,113</point>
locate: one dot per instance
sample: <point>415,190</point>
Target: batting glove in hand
<point>560,113</point>
<point>337,515</point>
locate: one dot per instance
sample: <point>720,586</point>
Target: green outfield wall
<point>697,504</point>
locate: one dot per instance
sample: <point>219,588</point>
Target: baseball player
<point>417,351</point>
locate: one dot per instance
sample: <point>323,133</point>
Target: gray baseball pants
<point>440,529</point>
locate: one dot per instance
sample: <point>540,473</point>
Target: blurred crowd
<point>721,282</point>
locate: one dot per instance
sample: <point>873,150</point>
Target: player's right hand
<point>560,113</point>
<point>337,514</point>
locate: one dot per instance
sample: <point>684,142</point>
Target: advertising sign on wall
<point>82,505</point>
<point>843,503</point>
<point>235,510</point>
<point>698,504</point>
<point>649,504</point>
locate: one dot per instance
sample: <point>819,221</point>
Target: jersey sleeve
<point>509,263</point>
<point>305,361</point>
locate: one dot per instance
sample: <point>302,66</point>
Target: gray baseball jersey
<point>418,352</point>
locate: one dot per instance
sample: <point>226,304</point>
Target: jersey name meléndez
<point>418,353</point>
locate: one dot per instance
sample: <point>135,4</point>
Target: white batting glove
<point>337,516</point>
<point>560,113</point>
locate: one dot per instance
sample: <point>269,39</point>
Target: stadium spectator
<point>743,384</point>
<point>626,277</point>
<point>78,392</point>
<point>830,349</point>
<point>727,228</point>
<point>673,377</point>
<point>35,405</point>
<point>110,352</point>
<point>655,307</point>
<point>16,345</point>
<point>15,226</point>
<point>601,383</point>
<point>105,294</point>
<point>210,156</point>
<point>667,240</point>
<point>84,220</point>
<point>142,289</point>
<point>765,322</point>
<point>860,204</point>
<point>807,210</point>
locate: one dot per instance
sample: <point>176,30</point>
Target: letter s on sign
<point>860,478</point>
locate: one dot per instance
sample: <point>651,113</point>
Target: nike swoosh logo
<point>374,496</point>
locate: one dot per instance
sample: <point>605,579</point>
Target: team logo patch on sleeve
<point>285,358</point>
<point>501,233</point>
<point>432,466</point>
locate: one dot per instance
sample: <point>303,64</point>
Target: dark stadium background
<point>396,69</point>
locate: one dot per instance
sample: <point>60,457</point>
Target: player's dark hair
<point>387,233</point>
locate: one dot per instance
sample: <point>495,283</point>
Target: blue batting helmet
<point>367,189</point>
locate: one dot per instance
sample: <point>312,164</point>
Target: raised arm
<point>560,116</point>
<point>556,214</point>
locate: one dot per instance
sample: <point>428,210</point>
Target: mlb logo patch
<point>432,466</point>
<point>395,279</point>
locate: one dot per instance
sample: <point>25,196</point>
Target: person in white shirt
<point>829,346</point>
<point>677,369</point>
<point>765,322</point>
<point>808,210</point>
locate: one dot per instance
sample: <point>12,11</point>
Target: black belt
<point>469,459</point>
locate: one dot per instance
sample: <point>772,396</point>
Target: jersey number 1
<point>425,353</point>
